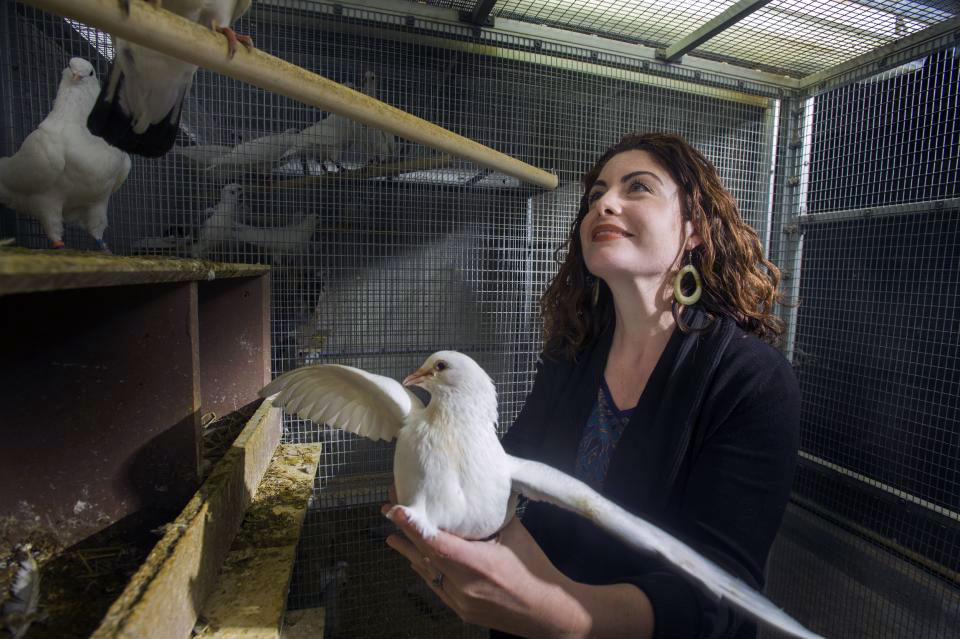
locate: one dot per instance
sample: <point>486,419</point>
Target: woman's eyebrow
<point>636,173</point>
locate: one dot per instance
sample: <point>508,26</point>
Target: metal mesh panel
<point>908,120</point>
<point>794,37</point>
<point>393,254</point>
<point>651,23</point>
<point>798,37</point>
<point>876,253</point>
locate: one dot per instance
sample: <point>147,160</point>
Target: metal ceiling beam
<point>481,13</point>
<point>711,28</point>
<point>498,40</point>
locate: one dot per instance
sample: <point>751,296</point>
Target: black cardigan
<point>708,455</point>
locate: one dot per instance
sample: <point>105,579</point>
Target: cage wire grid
<point>874,241</point>
<point>792,37</point>
<point>386,255</point>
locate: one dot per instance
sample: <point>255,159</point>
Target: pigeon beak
<point>417,376</point>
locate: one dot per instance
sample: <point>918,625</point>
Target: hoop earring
<point>678,293</point>
<point>595,297</point>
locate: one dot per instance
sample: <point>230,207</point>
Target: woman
<point>657,388</point>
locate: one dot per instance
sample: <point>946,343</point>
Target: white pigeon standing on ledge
<point>62,172</point>
<point>452,474</point>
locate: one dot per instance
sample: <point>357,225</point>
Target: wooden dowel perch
<point>178,37</point>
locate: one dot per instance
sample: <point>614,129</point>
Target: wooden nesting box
<point>108,364</point>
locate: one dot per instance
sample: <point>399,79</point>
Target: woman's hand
<point>506,583</point>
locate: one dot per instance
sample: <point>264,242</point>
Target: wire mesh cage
<point>384,251</point>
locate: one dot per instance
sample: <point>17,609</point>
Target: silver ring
<point>437,581</point>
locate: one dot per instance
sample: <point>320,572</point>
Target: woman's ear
<point>693,238</point>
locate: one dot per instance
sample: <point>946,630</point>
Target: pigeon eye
<point>440,366</point>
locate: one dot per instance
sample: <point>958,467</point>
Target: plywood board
<point>164,597</point>
<point>250,597</point>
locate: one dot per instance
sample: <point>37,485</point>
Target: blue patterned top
<point>600,437</point>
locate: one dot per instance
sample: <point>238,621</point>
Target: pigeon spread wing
<point>369,405</point>
<point>543,483</point>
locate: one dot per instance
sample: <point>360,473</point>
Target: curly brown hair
<point>738,280</point>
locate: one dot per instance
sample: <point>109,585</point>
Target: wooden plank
<point>250,598</point>
<point>164,597</point>
<point>234,342</point>
<point>30,270</point>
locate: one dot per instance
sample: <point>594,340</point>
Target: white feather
<point>331,392</point>
<point>543,483</point>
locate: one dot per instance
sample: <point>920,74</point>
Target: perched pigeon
<point>220,225</point>
<point>61,172</point>
<point>202,155</point>
<point>280,242</point>
<point>328,139</point>
<point>258,156</point>
<point>374,145</point>
<point>139,108</point>
<point>20,607</point>
<point>451,473</point>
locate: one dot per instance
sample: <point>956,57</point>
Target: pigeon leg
<point>416,519</point>
<point>97,224</point>
<point>233,38</point>
<point>53,227</point>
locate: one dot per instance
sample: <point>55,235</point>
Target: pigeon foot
<point>233,38</point>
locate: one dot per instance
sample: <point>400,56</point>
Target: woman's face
<point>634,228</point>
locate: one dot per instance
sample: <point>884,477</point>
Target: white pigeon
<point>374,145</point>
<point>139,108</point>
<point>280,242</point>
<point>62,172</point>
<point>220,227</point>
<point>452,474</point>
<point>202,155</point>
<point>259,155</point>
<point>20,608</point>
<point>328,139</point>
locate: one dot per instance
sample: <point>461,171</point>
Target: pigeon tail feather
<point>541,482</point>
<point>108,120</point>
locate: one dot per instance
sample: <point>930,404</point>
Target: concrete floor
<point>843,586</point>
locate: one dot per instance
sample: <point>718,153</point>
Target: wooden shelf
<point>30,270</point>
<point>108,364</point>
<point>163,598</point>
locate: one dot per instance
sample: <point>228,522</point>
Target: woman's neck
<point>643,318</point>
